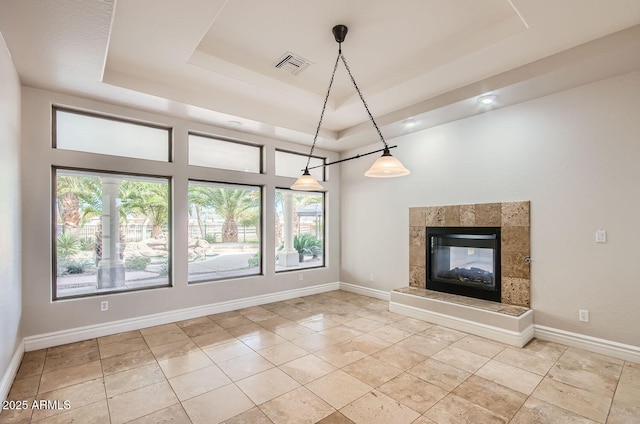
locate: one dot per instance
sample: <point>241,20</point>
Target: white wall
<point>44,316</point>
<point>574,155</point>
<point>10,240</point>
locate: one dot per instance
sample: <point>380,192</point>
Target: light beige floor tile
<point>377,408</point>
<point>622,413</point>
<point>273,324</point>
<point>184,364</point>
<point>399,357</point>
<point>367,344</point>
<point>73,348</point>
<point>386,317</point>
<point>454,409</point>
<point>127,361</point>
<point>335,418</point>
<point>70,376</point>
<point>195,321</point>
<point>341,333</point>
<point>372,371</point>
<point>364,324</point>
<point>141,402</point>
<point>159,329</point>
<point>315,342</point>
<point>133,379</point>
<point>84,353</point>
<point>171,350</point>
<point>299,406</point>
<point>510,376</point>
<point>217,405</point>
<point>119,337</point>
<point>282,352</point>
<point>443,334</point>
<point>32,363</point>
<point>245,366</point>
<point>293,331</point>
<point>462,359</point>
<point>252,416</point>
<point>424,420</point>
<point>164,337</point>
<point>24,388</point>
<point>233,321</point>
<point>262,340</point>
<point>307,368</point>
<point>198,382</point>
<point>422,345</point>
<point>576,400</point>
<point>411,324</point>
<point>17,415</point>
<point>578,377</point>
<point>522,358</point>
<point>390,334</point>
<point>95,413</point>
<point>225,351</point>
<point>318,324</point>
<point>121,347</point>
<point>536,411</point>
<point>480,345</point>
<point>492,396</point>
<point>78,396</point>
<point>413,392</point>
<point>195,330</point>
<point>442,375</point>
<point>340,355</point>
<point>267,385</point>
<point>628,390</point>
<point>545,349</point>
<point>338,388</point>
<point>213,339</point>
<point>603,365</point>
<point>223,315</point>
<point>172,415</point>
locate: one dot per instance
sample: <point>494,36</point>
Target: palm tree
<point>228,203</point>
<point>72,192</point>
<point>149,199</point>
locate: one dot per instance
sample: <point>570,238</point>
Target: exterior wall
<point>572,154</point>
<point>10,222</point>
<point>43,316</point>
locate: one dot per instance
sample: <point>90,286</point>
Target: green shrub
<point>254,261</point>
<point>87,244</point>
<point>210,238</point>
<point>307,245</point>
<point>71,267</point>
<point>67,245</point>
<point>138,263</point>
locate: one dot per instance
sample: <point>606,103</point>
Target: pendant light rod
<point>359,155</point>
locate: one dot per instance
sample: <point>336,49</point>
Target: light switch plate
<point>601,236</point>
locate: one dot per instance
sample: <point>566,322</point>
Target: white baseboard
<point>10,373</point>
<point>71,335</point>
<point>365,291</point>
<point>513,338</point>
<point>593,344</point>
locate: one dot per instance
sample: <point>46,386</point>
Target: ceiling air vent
<point>292,63</point>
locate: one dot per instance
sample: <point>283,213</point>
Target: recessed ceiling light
<point>234,123</point>
<point>409,122</point>
<point>487,99</point>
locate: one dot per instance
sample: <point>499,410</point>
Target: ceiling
<point>419,63</point>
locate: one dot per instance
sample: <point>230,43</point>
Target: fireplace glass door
<point>464,260</point>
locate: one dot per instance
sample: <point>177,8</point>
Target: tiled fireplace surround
<point>511,217</point>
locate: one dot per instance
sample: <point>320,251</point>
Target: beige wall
<point>10,241</point>
<point>44,316</point>
<point>574,155</point>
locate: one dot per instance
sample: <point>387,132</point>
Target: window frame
<point>53,237</point>
<point>261,248</point>
<point>322,158</point>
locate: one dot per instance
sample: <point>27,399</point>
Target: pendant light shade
<point>307,182</point>
<point>386,166</point>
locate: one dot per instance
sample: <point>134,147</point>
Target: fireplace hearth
<point>464,261</point>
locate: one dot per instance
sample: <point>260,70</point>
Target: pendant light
<point>385,166</point>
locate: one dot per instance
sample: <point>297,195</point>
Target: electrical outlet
<point>300,277</point>
<point>371,277</point>
<point>104,305</point>
<point>583,315</point>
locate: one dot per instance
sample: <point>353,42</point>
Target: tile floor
<point>335,357</point>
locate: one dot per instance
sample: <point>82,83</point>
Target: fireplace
<point>464,261</point>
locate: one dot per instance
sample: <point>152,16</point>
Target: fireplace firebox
<point>464,261</point>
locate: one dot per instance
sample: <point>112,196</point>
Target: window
<point>224,231</point>
<point>222,154</point>
<point>292,164</point>
<point>110,136</point>
<point>299,230</point>
<point>111,232</point>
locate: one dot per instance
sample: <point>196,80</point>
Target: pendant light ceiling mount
<point>385,166</point>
